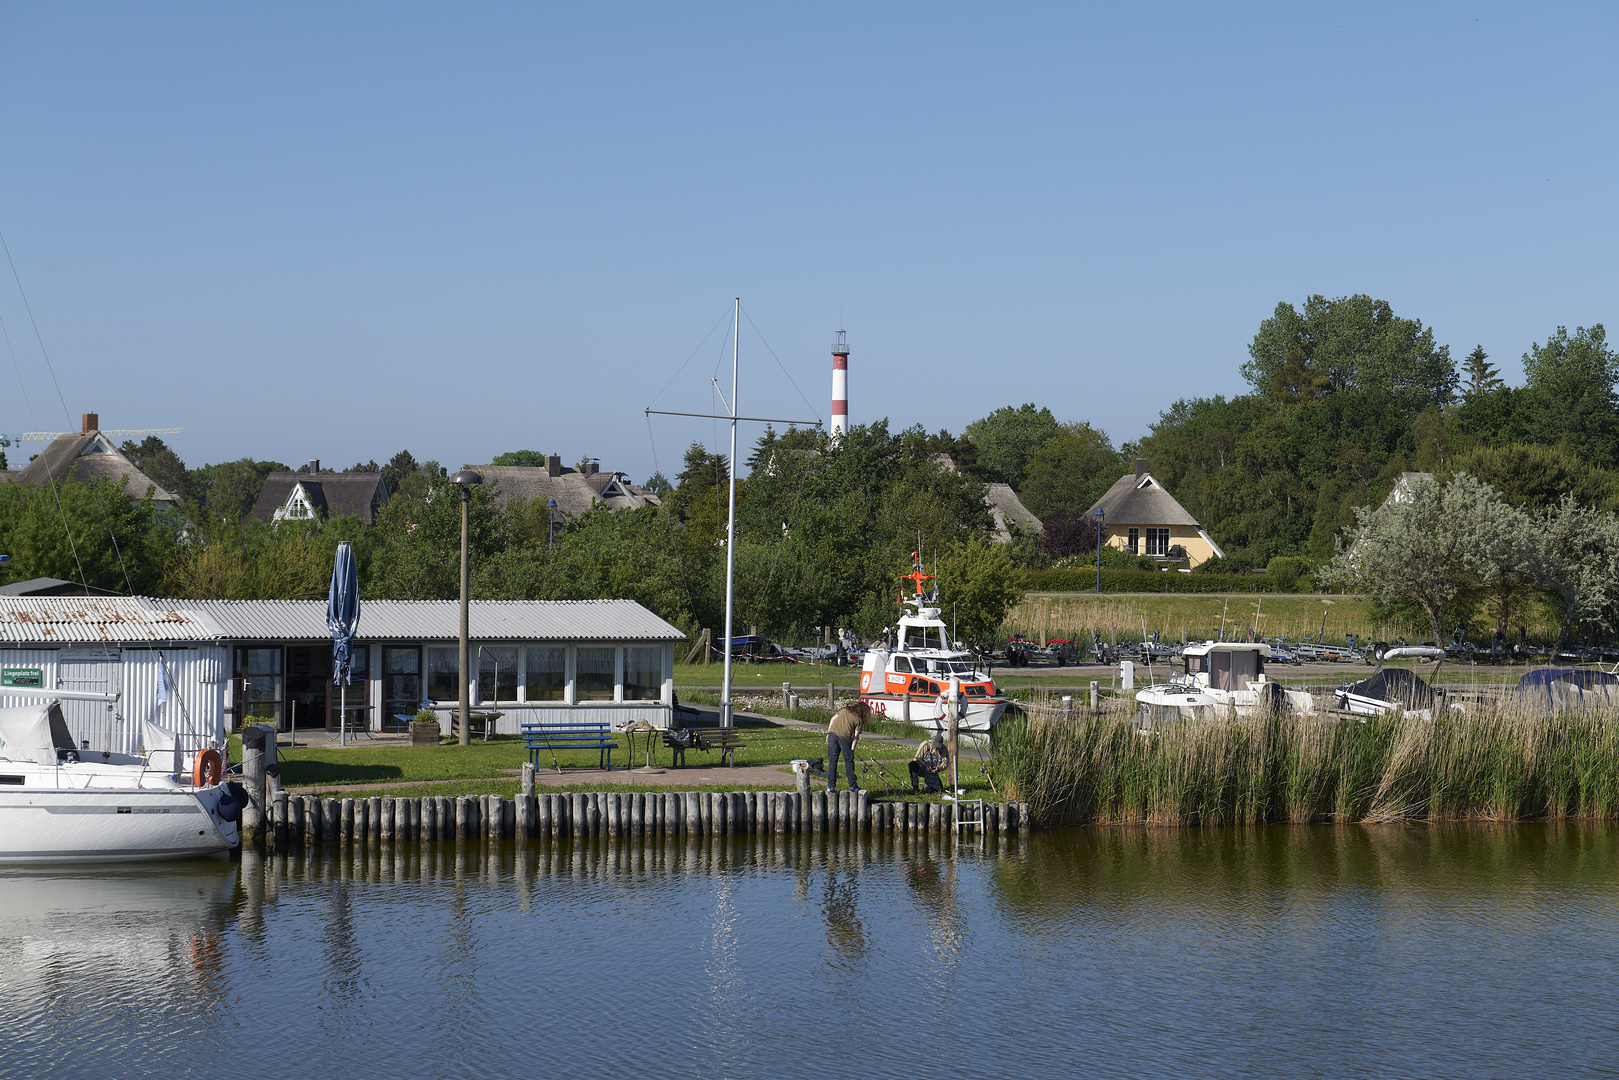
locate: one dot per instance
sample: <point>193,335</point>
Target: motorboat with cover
<point>65,803</point>
<point>1233,674</point>
<point>1388,689</point>
<point>920,664</point>
<point>1557,689</point>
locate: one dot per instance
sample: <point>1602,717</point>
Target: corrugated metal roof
<point>101,619</point>
<point>417,620</point>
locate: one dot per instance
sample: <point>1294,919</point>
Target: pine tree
<point>1482,377</point>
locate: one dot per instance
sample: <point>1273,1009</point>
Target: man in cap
<point>841,735</point>
<point>928,763</point>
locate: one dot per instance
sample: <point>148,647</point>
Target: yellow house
<point>1144,519</point>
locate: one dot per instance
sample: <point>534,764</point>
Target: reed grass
<point>1493,762</point>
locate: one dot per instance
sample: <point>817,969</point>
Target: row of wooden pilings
<point>306,819</point>
<point>282,818</point>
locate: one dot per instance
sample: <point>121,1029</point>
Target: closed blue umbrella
<point>342,619</point>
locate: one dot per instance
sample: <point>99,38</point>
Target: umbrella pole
<point>342,714</point>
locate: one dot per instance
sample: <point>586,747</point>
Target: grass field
<point>493,767</point>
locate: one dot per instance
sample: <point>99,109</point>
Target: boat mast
<point>726,719</point>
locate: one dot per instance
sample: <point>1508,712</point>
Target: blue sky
<point>338,231</point>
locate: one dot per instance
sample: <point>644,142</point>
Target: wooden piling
<point>524,800</point>
<point>818,812</point>
<point>387,828</point>
<point>528,778</point>
<point>375,818</point>
<point>254,814</point>
<point>278,811</point>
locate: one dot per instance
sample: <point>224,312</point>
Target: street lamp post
<point>464,480</point>
<point>551,534</point>
<point>1099,514</point>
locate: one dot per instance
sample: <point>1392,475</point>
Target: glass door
<point>401,684</point>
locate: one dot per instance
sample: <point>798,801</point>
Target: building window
<point>259,670</point>
<point>643,674</point>
<point>595,675</point>
<point>546,674</point>
<point>497,673</point>
<point>443,673</point>
<point>1133,544</point>
<point>401,682</point>
<point>1157,541</point>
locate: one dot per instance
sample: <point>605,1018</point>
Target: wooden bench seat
<point>548,739</point>
<point>726,741</point>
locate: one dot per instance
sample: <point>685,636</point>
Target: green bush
<point>1284,572</point>
<point>1147,581</point>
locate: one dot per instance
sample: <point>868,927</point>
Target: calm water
<point>1394,951</point>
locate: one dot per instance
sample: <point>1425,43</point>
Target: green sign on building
<point>22,676</point>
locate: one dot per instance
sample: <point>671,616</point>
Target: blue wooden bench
<point>550,738</point>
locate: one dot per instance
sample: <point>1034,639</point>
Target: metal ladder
<point>970,815</point>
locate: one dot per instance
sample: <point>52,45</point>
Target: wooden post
<point>818,813</point>
<point>387,820</point>
<point>315,817</point>
<point>862,812</point>
<point>295,823</point>
<point>508,816</point>
<point>595,814</point>
<point>278,814</point>
<point>375,832</point>
<point>576,814</point>
<point>253,762</point>
<point>524,802</point>
<point>831,698</point>
<point>345,816</point>
<point>528,778</point>
<point>329,821</point>
<point>462,815</point>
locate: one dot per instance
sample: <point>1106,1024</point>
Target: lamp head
<point>551,504</point>
<point>464,480</point>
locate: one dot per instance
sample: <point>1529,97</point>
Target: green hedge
<point>1148,581</point>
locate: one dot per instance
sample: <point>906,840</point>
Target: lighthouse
<point>840,387</point>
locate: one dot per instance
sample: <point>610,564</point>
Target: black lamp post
<point>1099,514</point>
<point>551,534</point>
<point>464,480</point>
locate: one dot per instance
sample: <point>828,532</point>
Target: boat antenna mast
<point>731,414</point>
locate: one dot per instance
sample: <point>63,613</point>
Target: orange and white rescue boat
<point>919,664</point>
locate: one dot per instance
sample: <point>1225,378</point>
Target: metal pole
<point>466,531</point>
<point>730,527</point>
<point>1098,552</point>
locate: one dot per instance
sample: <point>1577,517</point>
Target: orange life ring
<point>208,768</point>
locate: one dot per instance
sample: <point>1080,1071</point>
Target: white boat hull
<point>62,825</point>
<point>981,714</point>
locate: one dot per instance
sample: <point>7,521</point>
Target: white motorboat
<point>65,803</point>
<point>1233,674</point>
<point>915,671</point>
<point>1390,689</point>
<point>1167,703</point>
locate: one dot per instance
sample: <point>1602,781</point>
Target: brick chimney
<point>89,422</point>
<point>314,466</point>
<point>1141,467</point>
<point>592,467</point>
<point>553,465</point>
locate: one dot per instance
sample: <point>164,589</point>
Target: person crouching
<point>928,763</point>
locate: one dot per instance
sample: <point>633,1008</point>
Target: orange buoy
<point>208,768</point>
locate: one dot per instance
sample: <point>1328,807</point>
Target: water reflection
<point>1321,950</point>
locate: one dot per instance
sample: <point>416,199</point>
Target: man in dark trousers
<point>928,763</point>
<point>841,735</point>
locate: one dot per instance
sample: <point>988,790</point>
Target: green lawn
<point>492,767</point>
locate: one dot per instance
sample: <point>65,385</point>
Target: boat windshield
<point>951,667</point>
<point>924,637</point>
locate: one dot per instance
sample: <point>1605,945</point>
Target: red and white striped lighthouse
<point>840,387</point>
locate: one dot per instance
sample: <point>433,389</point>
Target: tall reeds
<point>1495,761</point>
